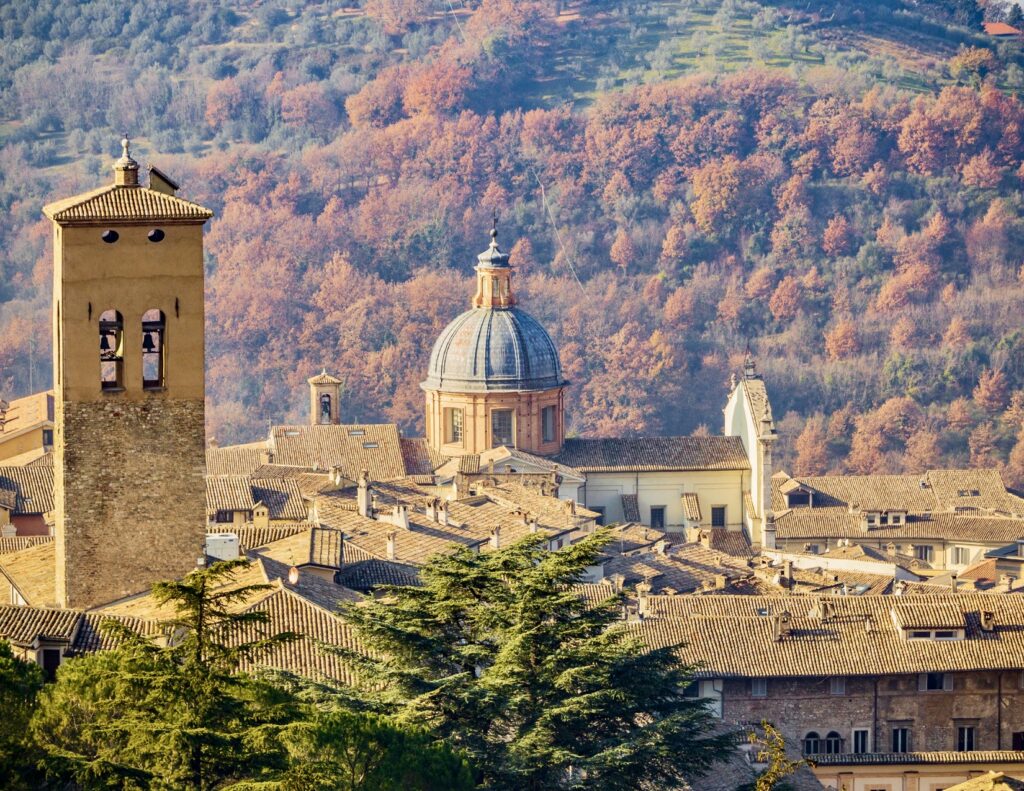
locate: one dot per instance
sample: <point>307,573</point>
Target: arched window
<point>111,350</point>
<point>812,743</point>
<point>325,408</point>
<point>833,743</point>
<point>153,329</point>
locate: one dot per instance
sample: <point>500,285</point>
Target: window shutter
<point>947,682</point>
<point>922,682</point>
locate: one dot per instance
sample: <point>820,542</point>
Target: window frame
<point>837,685</point>
<point>716,511</point>
<point>901,739</point>
<point>545,413</point>
<point>759,688</point>
<point>660,509</point>
<point>861,741</point>
<point>454,425</point>
<point>511,440</point>
<point>112,328</point>
<point>966,738</point>
<point>158,327</point>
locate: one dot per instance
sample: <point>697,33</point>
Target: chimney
<point>266,457</point>
<point>1006,581</point>
<point>988,620</point>
<point>363,495</point>
<point>260,515</point>
<point>490,466</point>
<point>661,547</point>
<point>534,527</point>
<point>442,514</point>
<point>392,534</point>
<point>787,572</point>
<point>432,509</point>
<point>496,538</point>
<point>400,516</point>
<point>1020,547</point>
<point>953,583</point>
<point>643,590</point>
<point>780,626</point>
<point>869,625</point>
<point>721,582</point>
<point>899,588</point>
<point>616,580</point>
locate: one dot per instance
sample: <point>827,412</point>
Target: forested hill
<point>836,184</point>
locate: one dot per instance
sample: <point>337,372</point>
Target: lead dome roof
<point>494,349</point>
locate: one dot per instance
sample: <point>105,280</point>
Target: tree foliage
<point>497,654</point>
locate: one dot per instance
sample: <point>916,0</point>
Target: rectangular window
<point>47,437</point>
<point>945,634</point>
<point>920,635</point>
<point>883,519</point>
<point>692,690</point>
<point>965,738</point>
<point>599,509</point>
<point>1017,741</point>
<point>547,419</point>
<point>658,517</point>
<point>758,687</point>
<point>718,516</point>
<point>924,552</point>
<point>501,428</point>
<point>961,556</point>
<point>860,740</point>
<point>51,661</point>
<point>934,682</point>
<point>901,740</point>
<point>837,685</point>
<point>453,426</point>
<point>795,499</point>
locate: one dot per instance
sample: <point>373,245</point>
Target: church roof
<point>324,378</point>
<point>125,204</point>
<point>654,453</point>
<point>488,349</point>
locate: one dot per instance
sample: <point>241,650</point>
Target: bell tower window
<point>325,408</point>
<point>501,428</point>
<point>154,326</point>
<point>111,350</point>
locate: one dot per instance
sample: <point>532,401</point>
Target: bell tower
<point>129,387</point>
<point>324,397</point>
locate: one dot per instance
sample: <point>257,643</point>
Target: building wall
<point>942,551</point>
<point>23,443</point>
<point>991,701</point>
<point>724,487</point>
<point>740,422</point>
<point>128,464</point>
<point>476,423</point>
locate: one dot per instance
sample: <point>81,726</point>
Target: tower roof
<point>125,201</point>
<point>487,349</point>
<point>324,378</point>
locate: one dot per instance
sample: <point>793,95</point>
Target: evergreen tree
<point>497,654</point>
<point>20,683</point>
<point>147,715</point>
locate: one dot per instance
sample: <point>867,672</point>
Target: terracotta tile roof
<point>281,496</point>
<point>131,204</point>
<point>654,453</point>
<point>629,537</point>
<point>10,544</point>
<point>935,490</point>
<point>729,542</point>
<point>45,460</point>
<point>318,546</point>
<point>812,523</point>
<point>290,612</point>
<point>506,454</point>
<point>90,637</point>
<point>236,459</point>
<point>630,508</point>
<point>33,487</point>
<point>993,781</point>
<point>734,636</point>
<point>929,615</point>
<point>324,378</point>
<point>691,506</point>
<point>687,568</point>
<point>375,448</point>
<point>26,413</point>
<point>33,573</point>
<point>419,457</point>
<point>23,625</point>
<point>938,757</point>
<point>757,397</point>
<point>322,592</point>
<point>250,536</point>
<point>551,512</point>
<point>365,575</point>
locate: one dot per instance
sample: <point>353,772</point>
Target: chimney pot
<point>392,534</point>
<point>496,538</point>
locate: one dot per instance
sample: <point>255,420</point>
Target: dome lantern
<point>493,276</point>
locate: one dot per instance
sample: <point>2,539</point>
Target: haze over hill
<point>839,189</point>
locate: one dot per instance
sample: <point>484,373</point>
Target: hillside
<point>841,190</point>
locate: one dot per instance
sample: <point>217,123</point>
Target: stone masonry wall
<point>802,705</point>
<point>131,497</point>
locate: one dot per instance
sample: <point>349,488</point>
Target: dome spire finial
<point>494,226</point>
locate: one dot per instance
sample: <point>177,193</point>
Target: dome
<point>485,350</point>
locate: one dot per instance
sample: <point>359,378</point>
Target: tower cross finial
<point>124,147</point>
<point>494,225</point>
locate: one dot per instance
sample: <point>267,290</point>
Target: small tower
<point>494,377</point>
<point>324,399</point>
<point>128,374</point>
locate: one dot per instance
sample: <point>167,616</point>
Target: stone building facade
<point>129,387</point>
